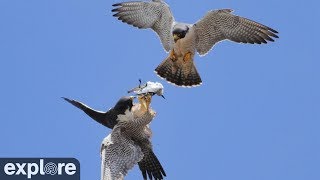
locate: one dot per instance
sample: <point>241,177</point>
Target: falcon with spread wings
<point>129,143</point>
<point>183,40</point>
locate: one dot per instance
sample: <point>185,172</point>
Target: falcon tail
<point>179,71</point>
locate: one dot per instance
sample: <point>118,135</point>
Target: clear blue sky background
<point>256,116</point>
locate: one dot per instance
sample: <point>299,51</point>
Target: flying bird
<point>108,118</point>
<point>183,40</point>
<point>129,143</point>
<point>148,164</point>
<point>148,87</point>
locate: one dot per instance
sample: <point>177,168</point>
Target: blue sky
<point>256,116</point>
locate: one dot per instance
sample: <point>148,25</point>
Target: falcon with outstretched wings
<point>129,143</point>
<point>184,40</point>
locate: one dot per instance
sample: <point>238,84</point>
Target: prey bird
<point>183,40</point>
<point>124,118</point>
<point>129,143</point>
<point>149,87</point>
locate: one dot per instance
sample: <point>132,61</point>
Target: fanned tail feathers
<point>179,72</point>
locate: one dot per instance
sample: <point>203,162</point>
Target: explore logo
<point>39,169</point>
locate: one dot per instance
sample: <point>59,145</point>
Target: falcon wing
<point>118,158</point>
<point>151,166</point>
<point>97,115</point>
<point>108,119</point>
<point>155,15</point>
<point>218,25</point>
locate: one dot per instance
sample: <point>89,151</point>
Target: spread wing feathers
<point>108,119</point>
<point>155,15</point>
<point>218,25</point>
<point>97,115</point>
<point>117,158</point>
<point>151,166</point>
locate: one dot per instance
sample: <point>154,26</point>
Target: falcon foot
<point>187,57</point>
<point>145,101</point>
<point>173,56</point>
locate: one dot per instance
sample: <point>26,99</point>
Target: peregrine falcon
<point>184,40</point>
<point>125,115</point>
<point>129,143</point>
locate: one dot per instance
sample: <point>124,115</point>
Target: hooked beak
<point>175,37</point>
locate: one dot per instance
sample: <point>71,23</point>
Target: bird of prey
<point>149,164</point>
<point>129,143</point>
<point>183,40</point>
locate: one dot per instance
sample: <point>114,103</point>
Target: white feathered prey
<point>149,87</point>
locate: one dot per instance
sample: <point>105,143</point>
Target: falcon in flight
<point>183,40</point>
<point>129,143</point>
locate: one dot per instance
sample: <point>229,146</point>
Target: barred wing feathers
<point>218,25</point>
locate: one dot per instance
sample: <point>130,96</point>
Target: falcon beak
<point>176,37</point>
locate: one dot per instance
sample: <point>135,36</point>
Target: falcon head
<point>124,103</point>
<point>179,31</point>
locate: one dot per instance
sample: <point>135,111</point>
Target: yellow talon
<point>173,56</point>
<point>145,101</point>
<point>187,57</point>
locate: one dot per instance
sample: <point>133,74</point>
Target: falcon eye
<point>177,31</point>
<point>183,34</point>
